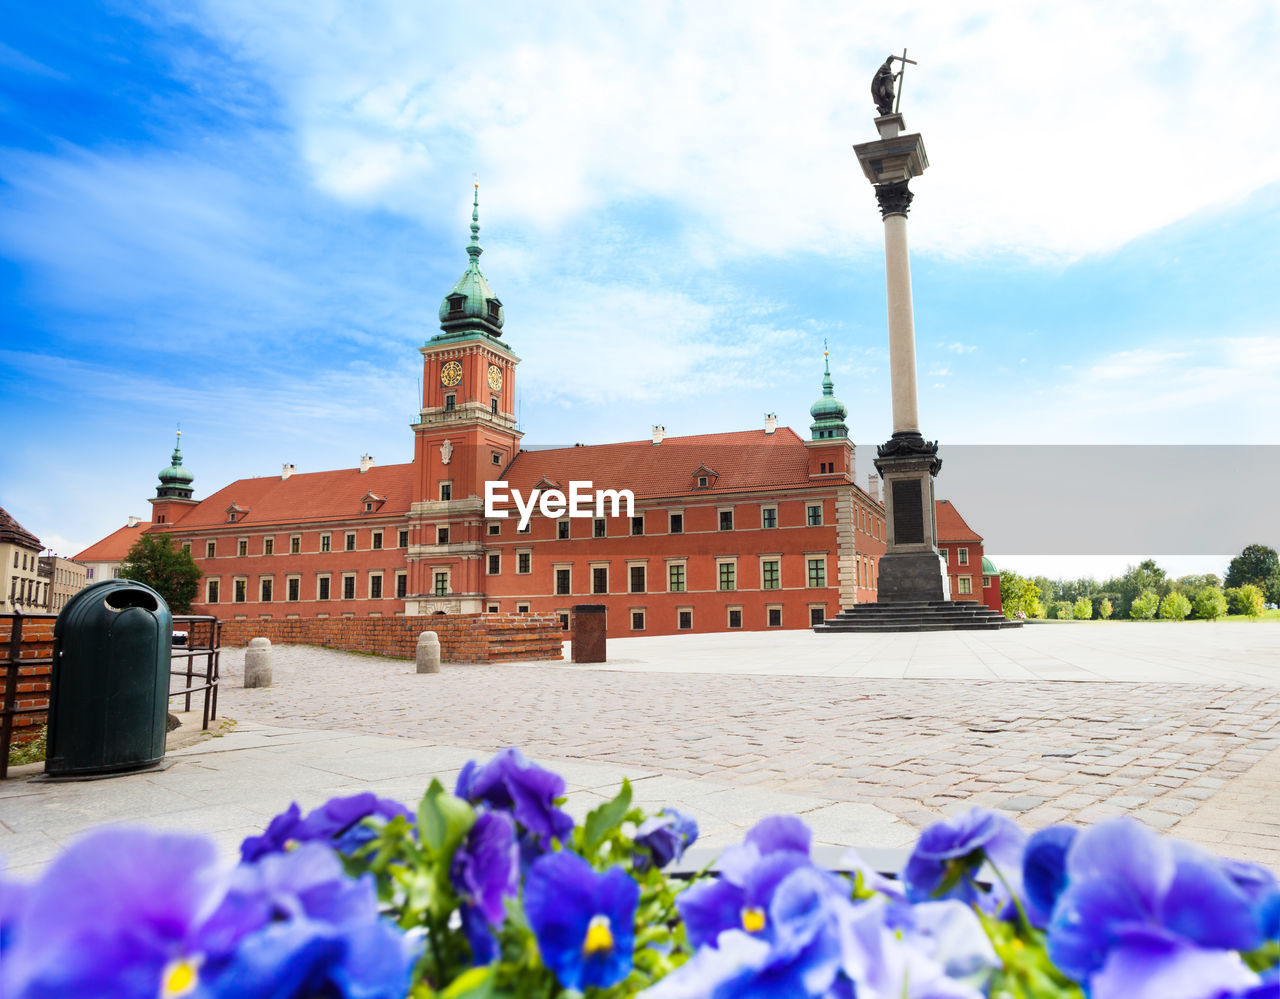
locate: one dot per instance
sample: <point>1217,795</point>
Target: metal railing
<point>12,665</point>
<point>203,642</point>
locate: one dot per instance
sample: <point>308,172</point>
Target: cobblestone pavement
<point>1196,760</point>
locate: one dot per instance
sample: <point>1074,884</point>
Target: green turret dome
<point>471,304</point>
<point>828,412</point>
<point>989,567</point>
<point>175,481</point>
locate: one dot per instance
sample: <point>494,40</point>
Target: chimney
<point>659,433</point>
<point>134,522</point>
<point>873,487</point>
<point>770,422</point>
<point>366,463</point>
<point>287,469</point>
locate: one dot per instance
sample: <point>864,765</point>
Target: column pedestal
<point>911,568</point>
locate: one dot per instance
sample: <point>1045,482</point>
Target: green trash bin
<point>109,697</point>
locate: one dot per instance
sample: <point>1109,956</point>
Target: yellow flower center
<point>753,919</point>
<point>599,936</point>
<point>180,978</point>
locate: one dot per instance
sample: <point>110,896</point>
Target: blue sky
<point>241,216</point>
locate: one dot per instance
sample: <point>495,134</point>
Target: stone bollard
<point>428,652</point>
<point>257,663</point>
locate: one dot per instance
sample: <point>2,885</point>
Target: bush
<point>1083,610</point>
<point>1245,600</point>
<point>1104,608</point>
<point>1062,610</point>
<point>1144,608</point>
<point>1175,607</point>
<point>1036,609</point>
<point>1210,604</point>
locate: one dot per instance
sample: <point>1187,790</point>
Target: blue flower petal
<point>780,832</point>
<point>1207,908</point>
<point>1148,964</point>
<point>709,909</point>
<point>1044,870</point>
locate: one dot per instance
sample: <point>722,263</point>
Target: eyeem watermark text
<point>582,501</point>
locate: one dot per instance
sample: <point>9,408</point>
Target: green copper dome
<point>828,412</point>
<point>175,481</point>
<point>989,567</point>
<point>471,304</point>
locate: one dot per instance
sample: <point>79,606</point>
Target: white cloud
<point>1177,392</point>
<point>1052,131</point>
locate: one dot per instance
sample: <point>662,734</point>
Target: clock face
<point>451,374</point>
<point>495,377</point>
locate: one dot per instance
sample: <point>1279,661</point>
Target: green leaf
<point>475,983</point>
<point>443,820</point>
<point>606,819</point>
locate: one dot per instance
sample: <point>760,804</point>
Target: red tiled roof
<point>115,546</point>
<point>744,461</point>
<point>12,531</point>
<point>309,496</point>
<point>951,526</point>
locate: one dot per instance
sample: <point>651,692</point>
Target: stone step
<point>918,615</point>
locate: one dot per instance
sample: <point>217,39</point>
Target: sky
<point>241,216</point>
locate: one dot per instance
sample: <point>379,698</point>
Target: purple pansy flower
<point>665,836</point>
<point>338,822</point>
<point>749,874</point>
<point>12,895</point>
<point>294,924</point>
<point>1129,890</point>
<point>510,783</point>
<point>949,854</point>
<point>1044,871</point>
<point>584,921</point>
<point>1149,963</point>
<point>485,871</point>
<point>118,914</point>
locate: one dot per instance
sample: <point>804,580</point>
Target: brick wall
<point>33,681</point>
<point>464,638</point>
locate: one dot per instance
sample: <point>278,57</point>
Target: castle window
<point>600,579</point>
<point>455,304</point>
<point>562,530</point>
<point>597,527</point>
<point>675,523</point>
<point>442,584</point>
<point>442,535</point>
<point>637,525</point>
<point>735,617</point>
<point>702,482</point>
<point>211,592</point>
<point>209,548</point>
<point>351,541</point>
<point>769,516</point>
<point>497,457</point>
<point>326,542</point>
<point>446,491</point>
<point>964,556</point>
<point>293,588</point>
<point>495,564</point>
<point>402,584</point>
<point>494,530</point>
<point>562,582</point>
<point>493,405</point>
<point>637,620</point>
<point>295,544</point>
<point>242,547</point>
<point>637,579</point>
<point>817,615</point>
<point>775,617</point>
<point>377,540</point>
<point>675,577</point>
<point>966,585</point>
<point>726,520</point>
<point>770,574</point>
<point>265,586</point>
<point>815,515</point>
<point>268,546</point>
<point>375,586</point>
<point>450,403</point>
<point>728,575</point>
<point>322,588</point>
<point>240,588</point>
<point>524,562</point>
<point>493,309</point>
<point>684,620</point>
<point>817,572</point>
<point>348,587</point>
<point>403,539</point>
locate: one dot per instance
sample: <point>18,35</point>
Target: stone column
<point>902,328</point>
<point>910,569</point>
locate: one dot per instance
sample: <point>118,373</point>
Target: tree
<point>1145,606</point>
<point>1256,564</point>
<point>1210,604</point>
<point>1175,607</point>
<point>171,572</point>
<point>1104,608</point>
<point>1083,609</point>
<point>1136,580</point>
<point>1061,610</point>
<point>1245,599</point>
<point>1017,593</point>
<point>1191,586</point>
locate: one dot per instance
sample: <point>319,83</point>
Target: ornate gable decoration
<point>236,512</point>
<point>705,477</point>
<point>372,502</point>
<point>546,483</point>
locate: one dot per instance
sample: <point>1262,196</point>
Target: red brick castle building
<point>750,530</point>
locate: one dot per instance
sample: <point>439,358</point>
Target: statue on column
<point>882,87</point>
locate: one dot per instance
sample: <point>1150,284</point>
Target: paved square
<point>869,737</point>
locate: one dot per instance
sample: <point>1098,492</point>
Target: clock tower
<point>465,436</point>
